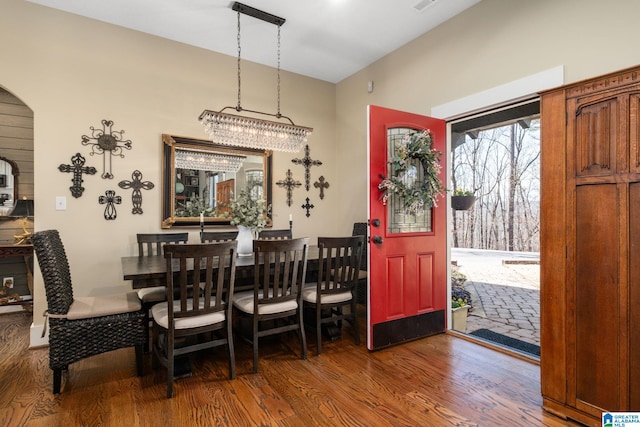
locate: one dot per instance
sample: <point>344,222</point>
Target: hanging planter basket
<point>462,203</point>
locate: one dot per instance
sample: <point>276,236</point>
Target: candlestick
<point>201,225</point>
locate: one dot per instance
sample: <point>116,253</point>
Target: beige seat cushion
<point>310,294</point>
<point>154,294</point>
<point>87,307</point>
<point>244,301</point>
<point>160,314</point>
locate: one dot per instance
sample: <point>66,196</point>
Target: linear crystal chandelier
<point>243,131</point>
<point>207,161</point>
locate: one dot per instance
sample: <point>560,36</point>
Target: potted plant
<point>462,200</point>
<point>460,301</point>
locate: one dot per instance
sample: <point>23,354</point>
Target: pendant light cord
<point>278,115</point>
<point>238,107</point>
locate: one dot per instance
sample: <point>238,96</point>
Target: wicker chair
<point>86,326</point>
<point>336,287</point>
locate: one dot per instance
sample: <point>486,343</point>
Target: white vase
<point>245,241</point>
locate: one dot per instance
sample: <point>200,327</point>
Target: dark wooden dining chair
<point>336,287</point>
<point>80,327</point>
<point>150,244</point>
<point>274,305</point>
<point>210,267</point>
<point>217,236</point>
<point>284,233</point>
<point>361,229</point>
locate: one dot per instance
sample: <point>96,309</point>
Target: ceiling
<point>324,39</point>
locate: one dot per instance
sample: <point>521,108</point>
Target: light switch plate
<point>61,203</point>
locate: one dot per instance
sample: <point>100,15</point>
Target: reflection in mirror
<point>200,178</point>
<point>8,185</point>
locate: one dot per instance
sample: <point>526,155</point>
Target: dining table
<point>149,271</point>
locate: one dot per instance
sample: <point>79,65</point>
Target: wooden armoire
<point>590,247</point>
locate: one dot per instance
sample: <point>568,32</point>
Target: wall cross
<point>137,184</point>
<point>321,184</point>
<point>308,206</point>
<point>78,168</point>
<point>111,200</point>
<point>107,142</point>
<point>307,163</point>
<point>289,183</point>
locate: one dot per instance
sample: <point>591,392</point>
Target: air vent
<point>423,4</point>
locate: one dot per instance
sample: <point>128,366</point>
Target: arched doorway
<point>16,182</point>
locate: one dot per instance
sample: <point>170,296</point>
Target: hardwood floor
<point>437,381</point>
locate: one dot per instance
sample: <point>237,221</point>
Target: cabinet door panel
<point>596,137</point>
<point>634,132</point>
<point>597,347</point>
<point>634,297</point>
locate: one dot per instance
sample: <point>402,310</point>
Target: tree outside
<point>501,166</point>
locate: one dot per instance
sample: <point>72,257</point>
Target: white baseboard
<point>35,337</point>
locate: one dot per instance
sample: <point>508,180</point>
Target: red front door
<point>407,256</point>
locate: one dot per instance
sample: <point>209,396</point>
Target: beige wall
<point>490,44</point>
<point>73,72</point>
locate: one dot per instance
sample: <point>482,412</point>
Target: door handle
<point>377,240</point>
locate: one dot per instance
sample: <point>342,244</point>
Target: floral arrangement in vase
<point>248,212</point>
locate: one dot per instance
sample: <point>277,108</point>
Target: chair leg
<point>255,349</point>
<point>319,330</point>
<point>356,328</point>
<point>147,320</point>
<point>140,350</point>
<point>170,363</point>
<point>57,380</point>
<point>155,344</point>
<point>232,356</point>
<point>303,338</point>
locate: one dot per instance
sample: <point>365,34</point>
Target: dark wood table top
<point>147,271</point>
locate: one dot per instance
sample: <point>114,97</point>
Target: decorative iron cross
<point>289,184</point>
<point>78,168</point>
<point>321,184</point>
<point>307,163</point>
<point>111,200</point>
<point>107,141</point>
<point>137,185</point>
<point>308,206</point>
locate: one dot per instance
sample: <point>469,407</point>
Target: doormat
<point>506,341</point>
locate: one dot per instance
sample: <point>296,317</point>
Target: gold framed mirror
<point>200,178</point>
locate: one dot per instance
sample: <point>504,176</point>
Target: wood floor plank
<point>440,380</point>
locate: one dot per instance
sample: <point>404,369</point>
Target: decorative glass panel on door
<point>398,219</point>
